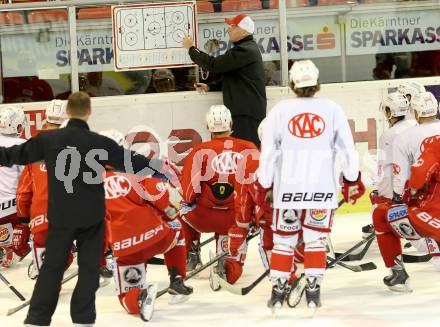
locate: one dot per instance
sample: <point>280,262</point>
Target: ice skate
<point>146,300</point>
<point>178,290</point>
<point>216,271</point>
<point>313,293</point>
<point>193,260</point>
<point>280,289</point>
<point>398,280</point>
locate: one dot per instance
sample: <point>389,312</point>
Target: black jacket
<point>244,90</point>
<point>75,170</point>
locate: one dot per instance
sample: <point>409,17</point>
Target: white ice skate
<point>146,301</point>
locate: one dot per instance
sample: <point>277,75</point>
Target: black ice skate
<point>105,272</point>
<point>398,280</point>
<point>193,259</point>
<point>367,230</point>
<point>280,289</point>
<point>179,291</point>
<point>297,288</point>
<point>146,300</point>
<point>313,293</point>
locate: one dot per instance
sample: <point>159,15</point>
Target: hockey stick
<point>203,267</point>
<point>160,261</point>
<point>244,290</point>
<point>357,256</point>
<point>12,288</point>
<point>332,262</point>
<point>412,258</point>
<point>25,304</point>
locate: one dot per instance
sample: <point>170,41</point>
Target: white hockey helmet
<point>411,88</point>
<point>219,119</point>
<point>260,129</point>
<point>397,103</point>
<point>56,112</point>
<point>11,118</point>
<point>425,104</point>
<point>304,73</point>
<point>115,135</point>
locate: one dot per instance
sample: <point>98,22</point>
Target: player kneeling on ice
<point>14,231</point>
<point>392,223</point>
<point>249,215</point>
<point>208,177</point>
<point>32,194</point>
<point>141,223</point>
<point>302,138</point>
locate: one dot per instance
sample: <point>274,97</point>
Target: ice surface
<point>349,299</point>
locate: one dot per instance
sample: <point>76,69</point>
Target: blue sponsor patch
<point>397,212</point>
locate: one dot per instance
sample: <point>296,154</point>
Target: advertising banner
<point>393,32</point>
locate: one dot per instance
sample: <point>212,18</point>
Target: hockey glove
<point>351,191</point>
<point>20,238</point>
<point>264,196</point>
<point>237,240</point>
<point>185,208</point>
<point>171,172</point>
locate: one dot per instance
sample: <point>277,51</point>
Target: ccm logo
<point>135,240</point>
<point>306,125</point>
<point>434,222</point>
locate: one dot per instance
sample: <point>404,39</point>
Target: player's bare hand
<point>202,88</point>
<point>187,42</point>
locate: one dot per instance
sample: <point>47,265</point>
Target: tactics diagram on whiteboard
<point>150,35</point>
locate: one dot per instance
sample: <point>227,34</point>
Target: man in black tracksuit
<point>74,158</point>
<point>244,91</point>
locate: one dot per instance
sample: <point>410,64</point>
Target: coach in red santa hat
<point>244,91</point>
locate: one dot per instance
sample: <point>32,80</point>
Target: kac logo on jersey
<point>226,162</point>
<point>306,125</point>
<point>396,169</point>
<point>116,186</point>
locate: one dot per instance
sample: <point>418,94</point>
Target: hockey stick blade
<point>245,290</point>
<point>410,258</point>
<point>203,267</point>
<point>359,268</point>
<point>25,304</point>
<point>332,262</point>
<point>358,256</point>
<point>12,288</point>
<point>161,262</point>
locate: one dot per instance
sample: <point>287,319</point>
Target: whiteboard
<point>149,36</point>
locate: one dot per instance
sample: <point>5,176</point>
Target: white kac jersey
<point>385,162</point>
<point>9,179</point>
<point>301,139</point>
<point>406,150</point>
